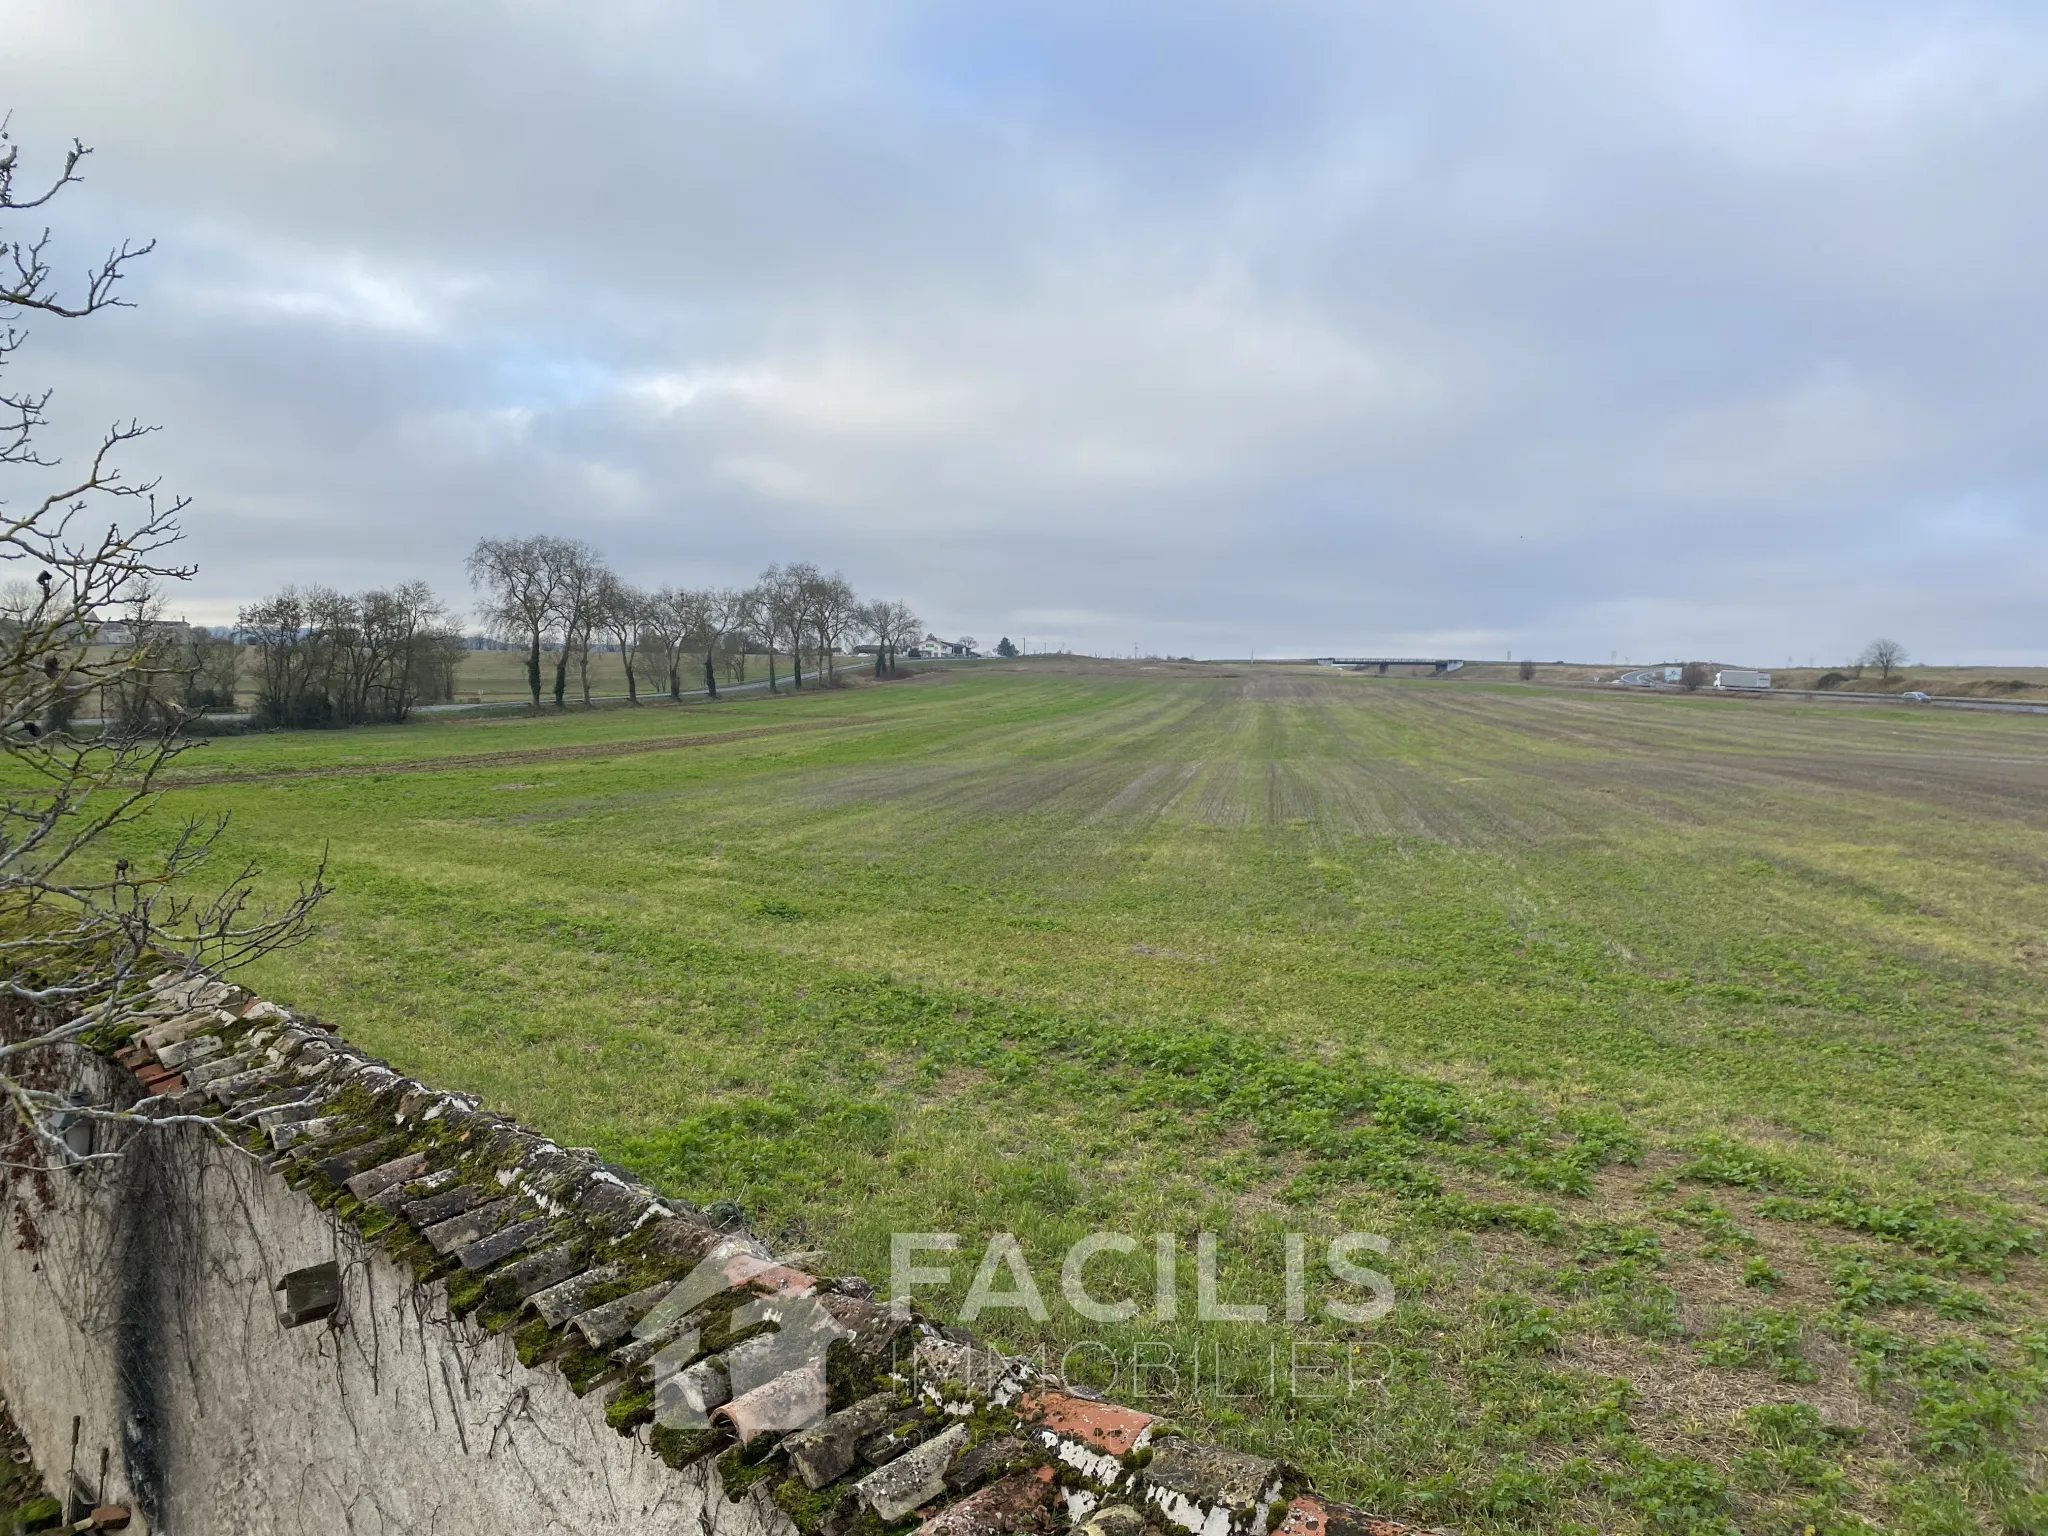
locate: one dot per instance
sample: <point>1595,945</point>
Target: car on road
<point>1917,696</point>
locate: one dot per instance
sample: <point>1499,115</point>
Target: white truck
<point>1736,677</point>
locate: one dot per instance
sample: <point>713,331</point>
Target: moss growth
<point>713,1318</point>
<point>739,1474</point>
<point>465,1293</point>
<point>680,1447</point>
<point>495,1317</point>
<point>610,1290</point>
<point>629,1407</point>
<point>851,1376</point>
<point>109,1038</point>
<point>427,1265</point>
<point>807,1508</point>
<point>583,1365</point>
<point>38,1514</point>
<point>533,1342</point>
<point>986,1422</point>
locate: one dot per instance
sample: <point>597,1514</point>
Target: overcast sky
<point>1649,327</point>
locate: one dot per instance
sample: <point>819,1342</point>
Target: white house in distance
<point>932,645</point>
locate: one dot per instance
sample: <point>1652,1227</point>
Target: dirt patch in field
<point>527,755</point>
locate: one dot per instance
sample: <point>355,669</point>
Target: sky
<point>1577,329</point>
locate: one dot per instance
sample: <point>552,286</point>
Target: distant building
<point>124,634</point>
<point>932,645</point>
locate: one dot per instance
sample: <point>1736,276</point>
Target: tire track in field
<point>513,757</point>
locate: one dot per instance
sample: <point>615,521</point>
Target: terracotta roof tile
<point>606,1324</point>
<point>562,1301</point>
<point>372,1182</point>
<point>438,1207</point>
<point>505,1242</point>
<point>1101,1426</point>
<point>912,1480</point>
<point>826,1451</point>
<point>478,1221</point>
<point>1020,1502</point>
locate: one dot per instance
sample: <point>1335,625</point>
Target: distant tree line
<point>318,657</point>
<point>557,600</point>
<point>336,658</point>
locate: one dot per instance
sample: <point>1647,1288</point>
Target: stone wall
<point>525,1339</point>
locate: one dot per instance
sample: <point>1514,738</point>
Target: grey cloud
<point>1571,328</point>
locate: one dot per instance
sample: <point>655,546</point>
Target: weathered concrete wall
<point>142,1302</point>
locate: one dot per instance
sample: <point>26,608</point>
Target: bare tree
<point>150,694</point>
<point>665,629</point>
<point>720,611</point>
<point>414,633</point>
<point>891,625</point>
<point>351,655</point>
<point>1693,676</point>
<point>579,595</point>
<point>781,600</point>
<point>518,578</point>
<point>1885,655</point>
<point>905,630</point>
<point>802,582</point>
<point>290,670</point>
<point>212,671</point>
<point>872,620</point>
<point>622,613</point>
<point>833,611</point>
<point>85,923</point>
<point>742,638</point>
<point>335,658</point>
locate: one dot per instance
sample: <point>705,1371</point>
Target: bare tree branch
<point>82,919</point>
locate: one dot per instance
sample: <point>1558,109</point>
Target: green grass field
<point>1687,1051</point>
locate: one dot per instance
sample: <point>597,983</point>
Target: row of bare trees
<point>556,598</point>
